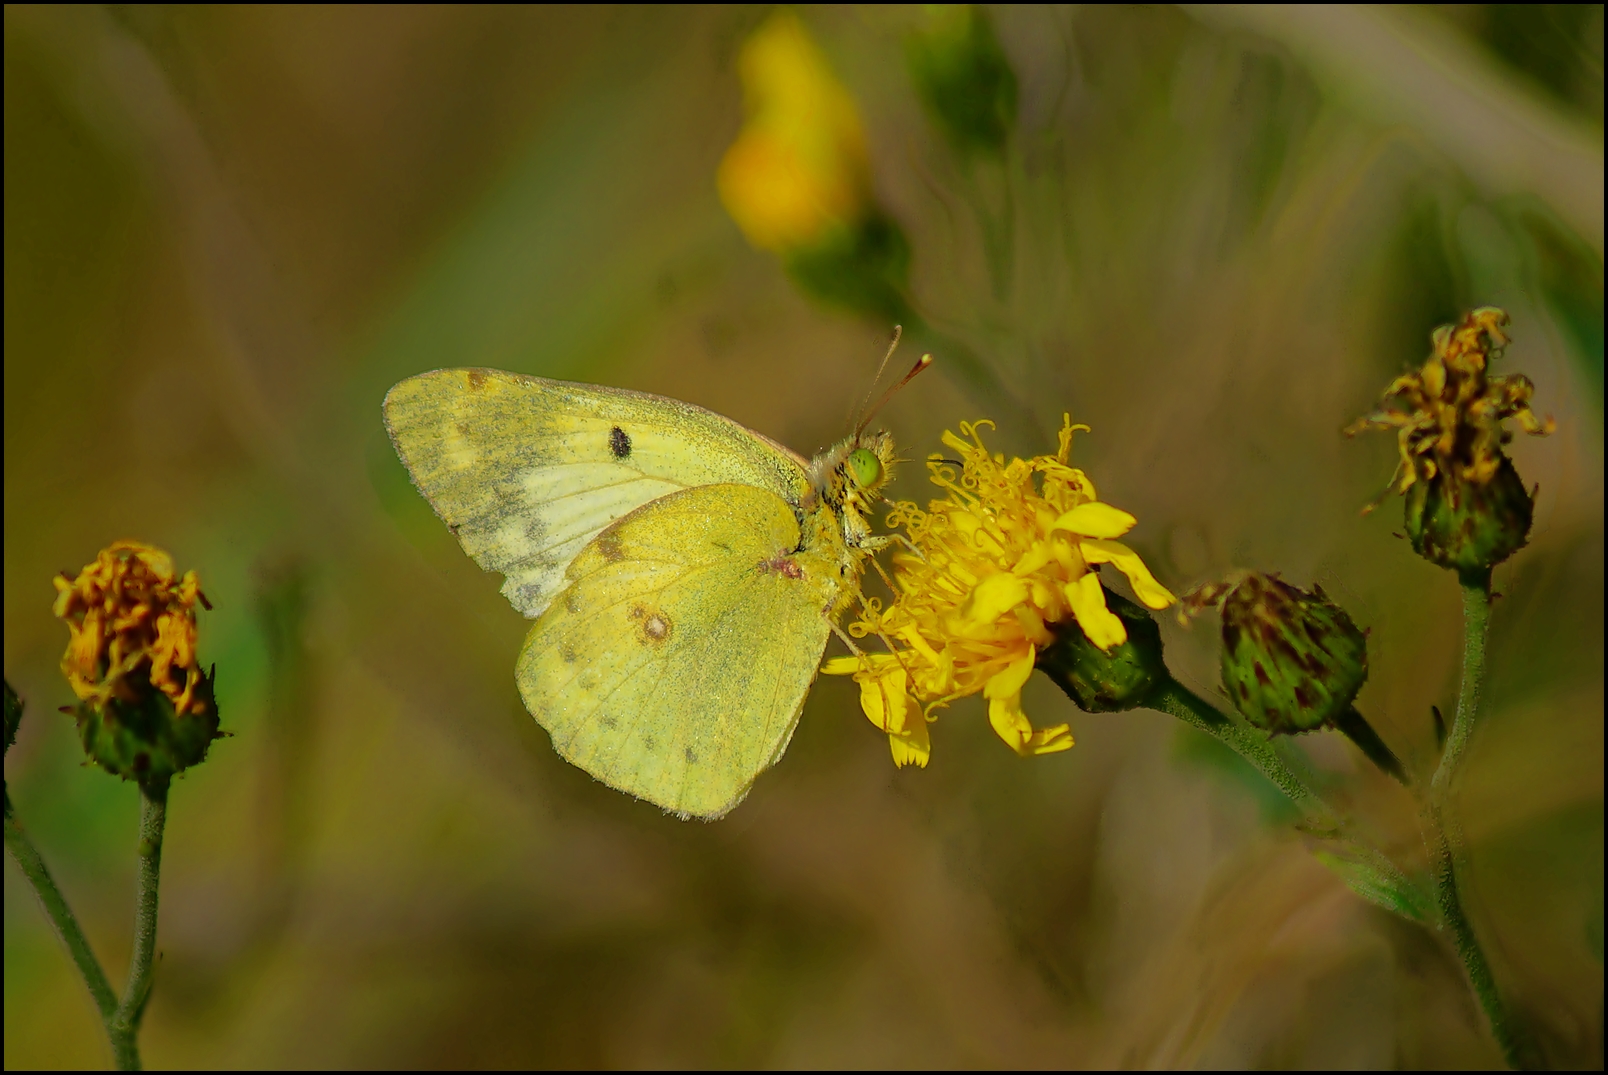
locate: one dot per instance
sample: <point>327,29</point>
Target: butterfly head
<point>850,478</point>
<point>851,475</point>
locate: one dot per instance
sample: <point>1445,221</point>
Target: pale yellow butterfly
<point>684,572</point>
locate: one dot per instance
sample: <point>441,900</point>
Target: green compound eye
<point>865,467</point>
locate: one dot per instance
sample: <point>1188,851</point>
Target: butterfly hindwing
<point>526,471</point>
<point>674,663</point>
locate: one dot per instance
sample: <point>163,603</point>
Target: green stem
<point>61,916</point>
<point>125,1022</point>
<point>1476,626</point>
<point>1444,835</point>
<point>1172,697</point>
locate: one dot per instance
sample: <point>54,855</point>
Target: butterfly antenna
<point>921,363</point>
<point>898,331</point>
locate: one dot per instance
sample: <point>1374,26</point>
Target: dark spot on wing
<point>477,378</point>
<point>692,759</point>
<point>619,443</point>
<point>649,743</point>
<point>567,654</point>
<point>608,544</point>
<point>572,603</point>
<point>609,722</point>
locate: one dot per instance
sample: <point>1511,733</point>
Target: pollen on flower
<point>984,578</point>
<point>131,619</point>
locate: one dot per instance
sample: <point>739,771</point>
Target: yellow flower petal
<point>1096,521</point>
<point>841,666</point>
<point>993,597</point>
<point>885,697</point>
<point>1009,683</point>
<point>911,749</point>
<point>1010,723</point>
<point>1004,694</point>
<point>1036,557</point>
<point>1051,740</point>
<point>1099,623</point>
<point>1125,560</point>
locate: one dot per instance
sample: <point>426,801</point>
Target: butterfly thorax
<point>849,478</point>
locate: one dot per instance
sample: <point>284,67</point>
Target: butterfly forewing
<point>674,663</point>
<point>526,471</point>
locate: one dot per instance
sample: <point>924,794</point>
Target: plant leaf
<point>1376,879</point>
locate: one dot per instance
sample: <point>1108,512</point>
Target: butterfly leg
<point>883,572</point>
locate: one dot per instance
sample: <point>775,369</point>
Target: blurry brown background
<point>228,231</point>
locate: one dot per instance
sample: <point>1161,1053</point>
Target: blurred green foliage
<point>1557,48</point>
<point>229,230</point>
<point>964,78</point>
<point>864,270</point>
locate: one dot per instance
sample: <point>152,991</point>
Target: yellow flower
<point>130,620</point>
<point>799,169</point>
<point>985,578</point>
<point>1448,415</point>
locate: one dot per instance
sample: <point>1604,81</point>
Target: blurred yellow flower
<point>127,610</point>
<point>986,578</point>
<point>798,170</point>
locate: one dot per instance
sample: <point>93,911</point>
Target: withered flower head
<point>1466,507</point>
<point>146,708</point>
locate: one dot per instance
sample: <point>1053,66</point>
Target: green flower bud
<point>143,738</point>
<point>1107,681</point>
<point>1292,660</point>
<point>1468,525</point>
<point>964,78</point>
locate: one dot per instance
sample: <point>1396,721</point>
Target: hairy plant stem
<point>1170,696</point>
<point>121,1019</point>
<point>125,1021</point>
<point>61,916</point>
<point>1443,834</point>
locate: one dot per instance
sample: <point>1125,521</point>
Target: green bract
<point>1469,526</point>
<point>1107,681</point>
<point>144,739</point>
